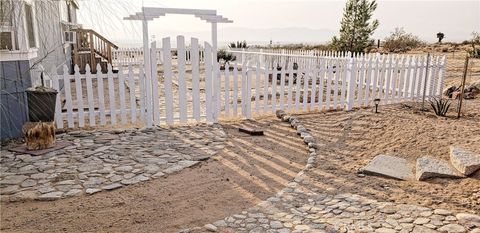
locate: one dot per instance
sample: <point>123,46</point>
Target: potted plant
<point>41,102</point>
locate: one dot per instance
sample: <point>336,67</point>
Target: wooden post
<point>92,53</point>
<point>465,69</point>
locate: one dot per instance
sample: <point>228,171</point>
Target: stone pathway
<point>301,207</point>
<point>105,160</point>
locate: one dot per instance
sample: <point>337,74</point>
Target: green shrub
<point>440,106</point>
<point>399,41</point>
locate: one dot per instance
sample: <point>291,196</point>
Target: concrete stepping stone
<point>466,162</point>
<point>390,167</point>
<point>428,167</point>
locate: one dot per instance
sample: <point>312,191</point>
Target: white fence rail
<point>203,92</point>
<point>134,56</point>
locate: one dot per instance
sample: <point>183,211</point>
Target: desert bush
<point>226,57</point>
<point>440,106</point>
<point>475,52</point>
<point>238,45</point>
<point>401,41</point>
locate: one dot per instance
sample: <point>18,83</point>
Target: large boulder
<point>466,162</point>
<point>390,167</point>
<point>428,167</point>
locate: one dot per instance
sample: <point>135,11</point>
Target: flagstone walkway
<point>302,207</point>
<point>105,160</point>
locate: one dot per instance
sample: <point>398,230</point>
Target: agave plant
<point>440,106</point>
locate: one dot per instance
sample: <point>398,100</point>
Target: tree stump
<point>39,135</point>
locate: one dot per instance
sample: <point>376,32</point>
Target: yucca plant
<point>440,106</point>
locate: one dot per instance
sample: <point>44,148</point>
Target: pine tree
<point>356,26</point>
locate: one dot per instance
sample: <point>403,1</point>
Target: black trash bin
<point>41,104</point>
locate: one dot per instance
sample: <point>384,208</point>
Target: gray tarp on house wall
<point>14,80</point>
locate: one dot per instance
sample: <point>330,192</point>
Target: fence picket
<point>368,83</point>
<point>257,87</point>
<point>154,83</point>
<point>101,98</point>
<point>248,88</point>
<point>313,92</point>
<point>91,104</point>
<point>111,95</point>
<point>58,106</point>
<point>434,77</point>
<point>297,90</point>
<point>133,100</point>
<point>195,79</point>
<point>141,83</point>
<point>208,82</point>
<point>167,67</point>
<point>344,80</point>
<point>227,90</point>
<point>389,71</point>
<point>121,90</point>
<point>235,89</point>
<point>328,93</point>
<point>421,77</point>
<point>441,74</point>
<point>361,80</point>
<point>376,71</point>
<point>274,89</point>
<point>305,90</point>
<point>406,87</point>
<point>291,75</point>
<point>79,94</point>
<point>68,97</point>
<point>182,84</point>
<point>336,77</point>
<point>265,90</point>
<point>321,84</point>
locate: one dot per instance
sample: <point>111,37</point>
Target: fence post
<point>425,81</point>
<point>248,102</point>
<point>351,77</point>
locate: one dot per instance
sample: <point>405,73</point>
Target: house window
<point>30,30</point>
<point>7,34</point>
<point>6,41</point>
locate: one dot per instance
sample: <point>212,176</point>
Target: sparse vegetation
<point>299,46</point>
<point>400,41</point>
<point>238,45</point>
<point>475,52</point>
<point>440,106</point>
<point>357,26</point>
<point>226,57</point>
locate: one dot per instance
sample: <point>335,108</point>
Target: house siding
<point>52,53</point>
<point>14,80</point>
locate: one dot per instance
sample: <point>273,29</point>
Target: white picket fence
<point>161,94</point>
<point>134,56</point>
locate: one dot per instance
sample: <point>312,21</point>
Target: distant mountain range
<point>252,36</point>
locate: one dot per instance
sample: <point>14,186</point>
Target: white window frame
<point>8,26</point>
<point>72,36</point>
<point>34,24</point>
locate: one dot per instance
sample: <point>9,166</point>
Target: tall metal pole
<point>465,69</point>
<point>425,82</point>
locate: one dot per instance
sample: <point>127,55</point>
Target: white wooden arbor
<point>150,13</point>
